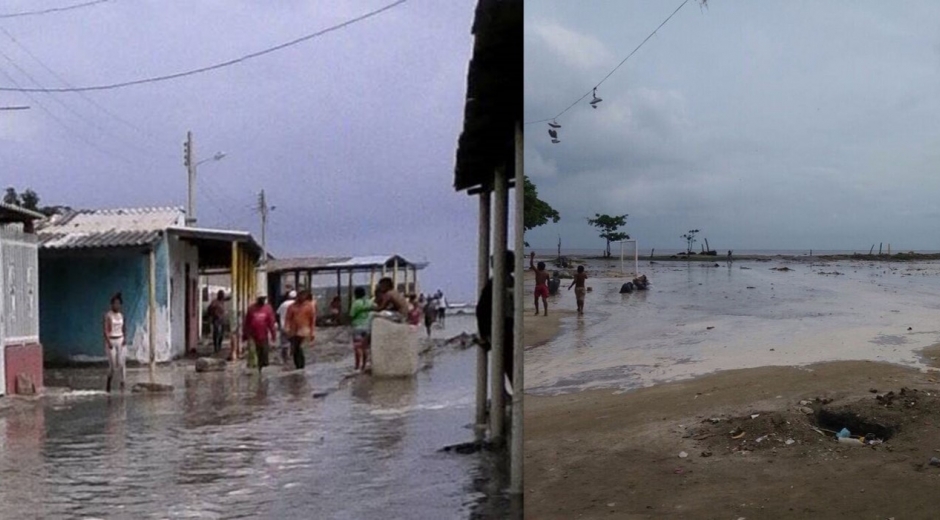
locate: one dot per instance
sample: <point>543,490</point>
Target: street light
<point>217,157</point>
<point>188,156</point>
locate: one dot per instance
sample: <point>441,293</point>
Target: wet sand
<point>597,454</point>
<point>614,398</point>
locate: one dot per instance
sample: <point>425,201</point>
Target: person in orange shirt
<point>301,326</point>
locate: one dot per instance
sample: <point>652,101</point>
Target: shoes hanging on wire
<point>596,99</point>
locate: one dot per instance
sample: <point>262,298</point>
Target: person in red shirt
<point>261,328</point>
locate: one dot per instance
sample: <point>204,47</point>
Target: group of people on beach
<point>543,279</point>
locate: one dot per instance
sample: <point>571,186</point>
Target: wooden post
<point>233,318</point>
<point>518,355</point>
<point>407,289</point>
<point>339,288</point>
<point>497,397</point>
<point>417,289</point>
<point>372,282</point>
<point>395,274</point>
<point>152,304</point>
<point>483,275</point>
<point>349,307</point>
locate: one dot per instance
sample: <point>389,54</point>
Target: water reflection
<point>231,445</point>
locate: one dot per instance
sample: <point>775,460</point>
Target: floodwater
<point>697,318</point>
<point>226,445</point>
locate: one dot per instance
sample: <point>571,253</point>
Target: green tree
<point>536,212</point>
<point>689,239</point>
<point>29,199</point>
<point>609,227</point>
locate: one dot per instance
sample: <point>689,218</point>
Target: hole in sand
<point>835,420</point>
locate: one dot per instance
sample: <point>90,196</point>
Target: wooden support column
<point>233,318</point>
<point>395,274</point>
<point>351,288</point>
<point>417,289</point>
<point>297,280</point>
<point>372,282</point>
<point>483,275</point>
<point>518,356</point>
<point>497,397</point>
<point>407,288</point>
<point>152,305</point>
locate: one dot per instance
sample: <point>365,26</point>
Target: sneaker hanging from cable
<point>596,99</point>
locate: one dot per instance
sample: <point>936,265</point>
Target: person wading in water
<point>217,319</point>
<point>115,334</point>
<point>301,325</point>
<point>541,283</point>
<point>579,289</point>
<point>261,328</point>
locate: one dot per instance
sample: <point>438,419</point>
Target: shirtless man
<point>388,299</point>
<point>579,289</point>
<point>541,283</point>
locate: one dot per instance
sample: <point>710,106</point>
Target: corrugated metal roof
<point>19,213</point>
<point>332,263</point>
<point>121,227</point>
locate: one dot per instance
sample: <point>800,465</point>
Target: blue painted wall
<point>74,291</point>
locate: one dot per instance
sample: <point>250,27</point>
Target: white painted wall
<point>181,253</point>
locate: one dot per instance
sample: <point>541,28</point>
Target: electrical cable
<point>74,112</point>
<point>216,66</point>
<point>67,128</point>
<point>593,89</point>
<point>65,82</point>
<point>53,9</point>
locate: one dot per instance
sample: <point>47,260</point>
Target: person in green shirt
<point>361,317</point>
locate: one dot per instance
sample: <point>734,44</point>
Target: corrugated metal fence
<point>19,282</point>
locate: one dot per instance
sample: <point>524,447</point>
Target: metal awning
<point>215,245</point>
<point>331,264</point>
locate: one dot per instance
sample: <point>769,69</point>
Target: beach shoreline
<point>614,452</point>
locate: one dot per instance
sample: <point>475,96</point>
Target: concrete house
<point>152,259</point>
<point>20,349</point>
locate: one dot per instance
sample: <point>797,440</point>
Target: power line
<point>65,82</point>
<point>590,92</point>
<point>217,66</point>
<point>67,128</point>
<point>70,109</point>
<point>53,9</point>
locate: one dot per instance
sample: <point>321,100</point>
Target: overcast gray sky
<point>352,135</point>
<point>764,124</point>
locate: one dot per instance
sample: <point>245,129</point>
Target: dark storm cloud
<point>791,125</point>
<point>352,135</point>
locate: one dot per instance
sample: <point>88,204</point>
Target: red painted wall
<point>23,358</point>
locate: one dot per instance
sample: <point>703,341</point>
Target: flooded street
<point>226,445</point>
<point>697,319</point>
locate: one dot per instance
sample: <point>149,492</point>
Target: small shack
<point>20,348</point>
<point>153,260</point>
<point>330,276</point>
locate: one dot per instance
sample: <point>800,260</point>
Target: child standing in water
<point>361,317</point>
<point>541,284</point>
<point>114,339</point>
<point>579,288</point>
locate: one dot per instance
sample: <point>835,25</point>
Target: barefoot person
<point>360,317</point>
<point>541,283</point>
<point>302,326</point>
<point>261,329</point>
<point>579,288</point>
<point>115,334</point>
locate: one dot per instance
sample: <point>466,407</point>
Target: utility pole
<point>190,163</point>
<point>263,209</point>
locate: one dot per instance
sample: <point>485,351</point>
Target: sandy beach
<point>615,398</point>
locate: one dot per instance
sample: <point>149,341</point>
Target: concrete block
<point>205,364</point>
<point>395,348</point>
